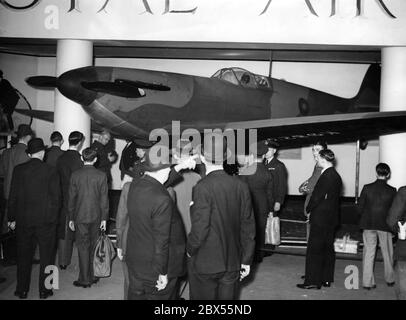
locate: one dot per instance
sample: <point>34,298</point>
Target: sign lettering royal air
<point>328,22</point>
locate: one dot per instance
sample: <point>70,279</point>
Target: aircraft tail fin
<point>367,98</point>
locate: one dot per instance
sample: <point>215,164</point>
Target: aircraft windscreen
<point>242,77</point>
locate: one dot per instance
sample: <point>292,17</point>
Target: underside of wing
<point>49,117</point>
<point>301,131</point>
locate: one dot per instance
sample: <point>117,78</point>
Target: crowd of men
<point>56,198</point>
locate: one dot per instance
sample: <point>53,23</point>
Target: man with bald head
<point>106,155</point>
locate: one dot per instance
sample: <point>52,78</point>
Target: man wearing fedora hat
<point>122,220</point>
<point>34,211</point>
<point>221,243</point>
<point>155,249</point>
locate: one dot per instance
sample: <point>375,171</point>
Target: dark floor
<point>274,279</point>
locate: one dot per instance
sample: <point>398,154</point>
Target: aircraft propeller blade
<point>144,85</point>
<point>114,88</point>
<point>42,81</point>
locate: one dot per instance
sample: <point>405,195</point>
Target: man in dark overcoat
<point>156,237</point>
<point>221,243</point>
<point>34,205</point>
<point>66,164</point>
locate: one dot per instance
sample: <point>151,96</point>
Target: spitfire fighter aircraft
<point>132,102</point>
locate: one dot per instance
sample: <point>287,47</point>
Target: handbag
<point>272,230</point>
<point>346,245</point>
<point>104,254</point>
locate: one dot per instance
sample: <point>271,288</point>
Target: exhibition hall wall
<point>340,79</point>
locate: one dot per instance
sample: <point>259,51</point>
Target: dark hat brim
<point>35,150</point>
<point>150,168</point>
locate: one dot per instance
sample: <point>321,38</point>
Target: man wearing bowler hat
<point>220,246</point>
<point>34,212</point>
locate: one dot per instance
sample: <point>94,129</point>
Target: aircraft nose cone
<point>70,85</point>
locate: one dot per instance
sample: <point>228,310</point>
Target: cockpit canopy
<point>242,77</point>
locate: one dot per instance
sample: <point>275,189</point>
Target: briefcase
<point>346,245</point>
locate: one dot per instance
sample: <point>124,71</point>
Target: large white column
<point>70,116</point>
<point>393,98</point>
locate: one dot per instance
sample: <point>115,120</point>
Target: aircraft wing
<point>49,117</point>
<point>300,131</point>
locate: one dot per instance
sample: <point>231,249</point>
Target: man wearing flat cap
<point>279,174</point>
<point>261,185</point>
<point>34,212</point>
<point>220,246</point>
<point>155,243</point>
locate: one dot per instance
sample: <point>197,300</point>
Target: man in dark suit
<point>374,204</point>
<point>67,163</point>
<point>279,175</point>
<point>54,152</point>
<point>324,206</point>
<point>88,206</point>
<point>156,237</point>
<point>221,242</point>
<point>128,159</point>
<point>261,185</point>
<point>397,214</point>
<point>34,209</point>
